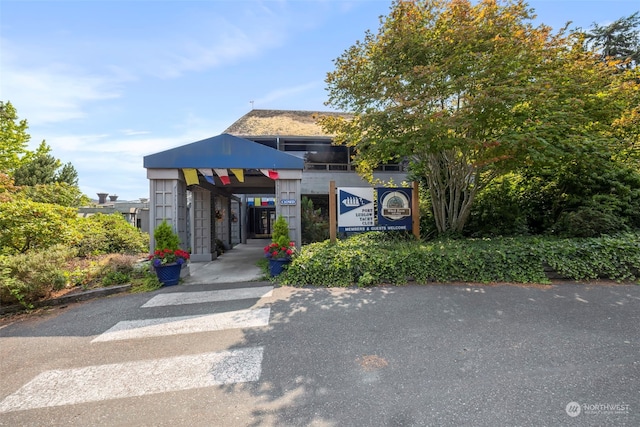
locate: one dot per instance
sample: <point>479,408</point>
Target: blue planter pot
<point>169,274</point>
<point>277,265</point>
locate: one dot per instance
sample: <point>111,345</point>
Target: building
<point>135,212</point>
<point>232,186</point>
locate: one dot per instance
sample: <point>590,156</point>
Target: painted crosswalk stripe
<point>180,298</point>
<point>139,378</point>
<point>144,328</point>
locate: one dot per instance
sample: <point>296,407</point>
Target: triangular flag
<point>239,173</point>
<point>270,173</point>
<point>191,176</point>
<point>224,176</point>
<point>208,175</point>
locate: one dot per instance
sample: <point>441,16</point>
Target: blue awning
<point>223,151</point>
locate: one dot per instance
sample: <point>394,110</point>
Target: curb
<point>65,299</point>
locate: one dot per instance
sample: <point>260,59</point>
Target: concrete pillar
<point>167,201</point>
<point>201,247</point>
<point>288,200</point>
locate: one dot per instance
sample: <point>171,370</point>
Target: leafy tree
<point>26,225</point>
<point>7,188</point>
<point>469,92</point>
<point>13,138</point>
<point>58,193</point>
<point>619,40</point>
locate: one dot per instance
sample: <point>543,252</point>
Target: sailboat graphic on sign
<point>349,202</point>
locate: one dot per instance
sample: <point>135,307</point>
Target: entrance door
<point>261,221</point>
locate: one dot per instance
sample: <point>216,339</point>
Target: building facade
<point>259,168</point>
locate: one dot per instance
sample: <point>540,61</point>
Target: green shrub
<point>589,197</point>
<point>165,237</point>
<point>34,275</point>
<point>373,258</point>
<point>280,232</point>
<point>498,211</point>
<point>117,269</point>
<point>597,217</point>
<point>115,278</point>
<point>607,257</point>
<point>26,225</point>
<point>144,278</point>
<point>104,234</point>
<point>315,227</point>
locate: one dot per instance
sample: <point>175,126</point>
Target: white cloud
<point>131,132</point>
<point>54,93</point>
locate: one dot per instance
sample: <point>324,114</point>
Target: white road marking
<point>180,298</point>
<point>143,328</point>
<point>139,378</point>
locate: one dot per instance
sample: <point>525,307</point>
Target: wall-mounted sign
<point>287,202</point>
<point>394,208</point>
<point>355,209</point>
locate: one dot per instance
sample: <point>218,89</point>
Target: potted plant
<point>168,258</point>
<point>281,250</point>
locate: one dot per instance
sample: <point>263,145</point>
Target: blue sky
<point>108,82</point>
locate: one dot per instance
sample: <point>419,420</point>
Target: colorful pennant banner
<point>190,176</point>
<point>223,174</point>
<point>270,173</point>
<point>208,175</point>
<point>239,173</point>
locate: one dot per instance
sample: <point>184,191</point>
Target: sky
<point>106,83</point>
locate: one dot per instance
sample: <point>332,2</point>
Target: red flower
<point>275,250</point>
<point>168,256</point>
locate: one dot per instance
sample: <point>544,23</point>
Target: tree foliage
<point>40,167</point>
<point>104,234</point>
<point>619,40</point>
<point>26,225</point>
<point>28,168</point>
<point>58,193</point>
<point>165,237</point>
<point>315,227</point>
<point>469,92</point>
<point>67,174</point>
<point>13,138</point>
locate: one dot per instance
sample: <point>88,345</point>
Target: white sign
<point>355,208</point>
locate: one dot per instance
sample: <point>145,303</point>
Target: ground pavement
<point>250,354</point>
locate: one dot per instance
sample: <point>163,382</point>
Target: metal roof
<point>223,151</point>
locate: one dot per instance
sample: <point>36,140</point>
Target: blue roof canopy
<point>223,151</point>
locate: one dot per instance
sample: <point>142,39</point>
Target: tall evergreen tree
<point>67,174</point>
<point>619,40</point>
<point>40,168</point>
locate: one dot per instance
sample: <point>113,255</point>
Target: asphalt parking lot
<point>248,354</point>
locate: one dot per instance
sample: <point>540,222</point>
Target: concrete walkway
<point>235,265</point>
